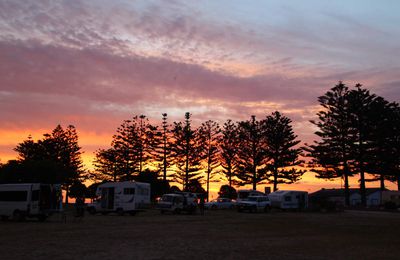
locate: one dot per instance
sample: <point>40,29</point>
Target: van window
<point>128,191</point>
<point>288,198</point>
<point>13,195</point>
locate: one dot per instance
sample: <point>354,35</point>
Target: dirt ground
<point>216,235</point>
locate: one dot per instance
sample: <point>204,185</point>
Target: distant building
<point>375,196</point>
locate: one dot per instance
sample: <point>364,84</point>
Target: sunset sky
<point>95,63</point>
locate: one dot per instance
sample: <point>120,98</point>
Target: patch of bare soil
<point>216,235</point>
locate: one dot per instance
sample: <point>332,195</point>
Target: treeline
<point>358,133</point>
<point>246,152</point>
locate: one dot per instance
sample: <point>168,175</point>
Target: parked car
<point>178,202</point>
<point>255,204</point>
<point>220,203</point>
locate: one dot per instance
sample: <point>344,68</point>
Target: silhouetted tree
<point>360,102</point>
<point>229,146</point>
<point>60,147</point>
<point>209,134</point>
<point>107,165</point>
<point>280,150</point>
<point>194,186</point>
<point>332,154</point>
<point>251,154</point>
<point>226,191</point>
<point>187,153</point>
<point>78,190</point>
<point>163,151</point>
<point>134,144</point>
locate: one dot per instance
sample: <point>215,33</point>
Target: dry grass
<point>217,235</point>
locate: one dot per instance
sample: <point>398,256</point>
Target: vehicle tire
<point>104,213</point>
<point>232,207</point>
<point>253,209</point>
<point>267,209</point>
<point>42,218</point>
<point>120,211</point>
<point>132,213</point>
<point>91,210</point>
<point>162,211</point>
<point>18,216</point>
<point>4,218</point>
<point>177,211</point>
<point>213,207</point>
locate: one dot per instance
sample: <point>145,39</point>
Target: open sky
<point>95,63</point>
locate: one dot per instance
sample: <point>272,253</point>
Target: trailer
<point>289,199</point>
<point>29,200</point>
<point>121,197</point>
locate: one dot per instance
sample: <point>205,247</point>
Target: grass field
<point>216,235</point>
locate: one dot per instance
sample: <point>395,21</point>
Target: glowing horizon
<point>94,64</point>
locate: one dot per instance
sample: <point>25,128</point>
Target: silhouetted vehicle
<point>178,202</point>
<point>244,194</point>
<point>33,200</point>
<point>289,199</point>
<point>220,203</point>
<point>121,197</point>
<point>255,204</point>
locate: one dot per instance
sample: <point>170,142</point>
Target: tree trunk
<point>66,195</point>
<point>255,178</point>
<point>275,179</point>
<point>382,181</point>
<point>346,188</point>
<point>208,184</point>
<point>362,187</point>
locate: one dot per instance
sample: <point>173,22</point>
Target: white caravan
<point>22,200</point>
<point>289,199</point>
<point>121,197</point>
<point>244,194</point>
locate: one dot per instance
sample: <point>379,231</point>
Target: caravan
<point>289,199</point>
<point>244,194</point>
<point>23,200</point>
<point>121,197</point>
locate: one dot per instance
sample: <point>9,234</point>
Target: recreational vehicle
<point>29,200</point>
<point>121,197</point>
<point>244,194</point>
<point>289,199</point>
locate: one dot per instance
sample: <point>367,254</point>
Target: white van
<point>121,197</point>
<point>289,199</point>
<point>244,194</point>
<point>22,200</point>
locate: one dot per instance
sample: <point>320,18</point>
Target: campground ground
<point>216,235</point>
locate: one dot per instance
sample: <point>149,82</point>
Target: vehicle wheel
<point>232,207</point>
<point>42,218</point>
<point>18,216</point>
<point>4,218</point>
<point>239,210</point>
<point>162,211</point>
<point>177,211</point>
<point>132,213</point>
<point>104,212</point>
<point>92,210</point>
<point>213,207</point>
<point>120,211</point>
<point>253,209</point>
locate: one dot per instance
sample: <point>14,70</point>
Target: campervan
<point>121,197</point>
<point>244,194</point>
<point>289,199</point>
<point>23,200</point>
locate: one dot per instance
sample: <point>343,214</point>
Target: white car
<point>220,203</point>
<point>255,204</point>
